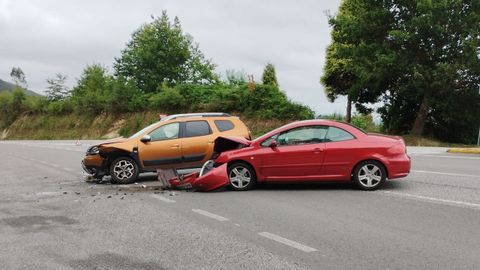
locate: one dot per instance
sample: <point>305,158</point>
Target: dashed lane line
<point>287,242</point>
<point>210,215</point>
<point>462,204</point>
<point>162,198</point>
<point>455,157</point>
<point>445,173</point>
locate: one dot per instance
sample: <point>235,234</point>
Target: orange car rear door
<point>197,142</point>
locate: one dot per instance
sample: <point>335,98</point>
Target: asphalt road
<point>50,218</point>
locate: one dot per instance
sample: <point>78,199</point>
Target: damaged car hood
<point>211,177</point>
<point>223,144</point>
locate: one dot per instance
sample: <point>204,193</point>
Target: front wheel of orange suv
<point>124,170</point>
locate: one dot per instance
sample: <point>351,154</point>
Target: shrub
<point>168,100</point>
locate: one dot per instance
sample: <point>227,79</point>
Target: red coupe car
<point>305,151</point>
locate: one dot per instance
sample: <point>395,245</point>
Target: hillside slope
<point>103,126</point>
<point>7,86</point>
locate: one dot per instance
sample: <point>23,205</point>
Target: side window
<point>337,134</point>
<point>166,132</point>
<point>299,136</point>
<point>224,125</point>
<point>197,128</point>
<point>269,140</point>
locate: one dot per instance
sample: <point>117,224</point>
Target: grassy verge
<point>425,141</point>
<point>473,150</point>
<point>104,126</point>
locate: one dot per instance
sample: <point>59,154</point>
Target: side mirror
<point>146,139</point>
<point>273,144</point>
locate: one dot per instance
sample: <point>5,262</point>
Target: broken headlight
<point>93,150</point>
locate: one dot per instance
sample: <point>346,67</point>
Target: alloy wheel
<point>124,169</point>
<point>240,177</point>
<point>370,175</point>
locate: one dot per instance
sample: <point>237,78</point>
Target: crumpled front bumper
<point>216,178</point>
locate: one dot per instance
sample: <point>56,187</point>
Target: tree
<point>438,42</point>
<point>269,76</point>
<point>234,77</point>
<point>18,77</point>
<point>160,52</point>
<point>358,57</point>
<point>92,90</point>
<point>414,56</point>
<point>56,89</point>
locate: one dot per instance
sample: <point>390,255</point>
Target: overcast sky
<point>46,37</point>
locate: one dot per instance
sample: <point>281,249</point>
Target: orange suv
<point>176,141</point>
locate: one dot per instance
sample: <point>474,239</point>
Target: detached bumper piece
<point>214,179</point>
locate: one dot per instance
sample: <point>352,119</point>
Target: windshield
<point>142,131</point>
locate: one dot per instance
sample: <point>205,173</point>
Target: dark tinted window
<point>165,132</point>
<point>336,135</point>
<point>197,128</point>
<point>223,125</point>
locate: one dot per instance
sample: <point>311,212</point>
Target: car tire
<point>124,170</point>
<point>241,176</point>
<point>369,175</point>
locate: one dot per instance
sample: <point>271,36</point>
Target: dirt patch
<point>4,134</point>
<point>113,131</point>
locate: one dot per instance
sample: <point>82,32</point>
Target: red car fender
<point>216,178</point>
<point>379,158</point>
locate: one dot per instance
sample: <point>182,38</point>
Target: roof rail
<point>185,115</point>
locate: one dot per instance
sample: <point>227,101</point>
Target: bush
<point>365,122</point>
<point>36,105</point>
<point>60,107</point>
<point>168,100</point>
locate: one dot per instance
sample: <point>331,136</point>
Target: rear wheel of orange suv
<point>124,170</point>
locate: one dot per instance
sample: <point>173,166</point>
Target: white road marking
<point>163,199</point>
<point>434,200</point>
<point>444,173</point>
<point>68,169</point>
<point>48,193</point>
<point>210,215</point>
<point>287,242</point>
<point>55,165</point>
<point>43,162</point>
<point>459,157</point>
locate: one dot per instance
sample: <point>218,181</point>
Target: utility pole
<point>478,140</point>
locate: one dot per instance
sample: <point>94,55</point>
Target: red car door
<point>298,155</point>
<point>340,154</point>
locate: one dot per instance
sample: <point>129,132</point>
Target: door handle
<point>211,141</point>
<point>317,150</point>
<point>175,146</point>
